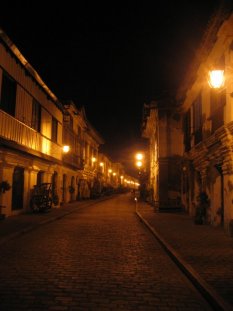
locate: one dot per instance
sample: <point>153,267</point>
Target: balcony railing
<point>73,160</point>
<point>15,131</point>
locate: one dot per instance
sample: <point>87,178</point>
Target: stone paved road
<point>98,258</point>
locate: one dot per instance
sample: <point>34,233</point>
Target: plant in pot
<point>4,186</point>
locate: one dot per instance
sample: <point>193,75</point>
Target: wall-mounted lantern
<point>216,78</point>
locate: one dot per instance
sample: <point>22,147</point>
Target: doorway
<point>18,188</point>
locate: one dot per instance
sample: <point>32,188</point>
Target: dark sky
<point>110,57</point>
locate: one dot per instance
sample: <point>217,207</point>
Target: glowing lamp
<point>216,78</point>
<point>139,156</point>
<point>66,149</point>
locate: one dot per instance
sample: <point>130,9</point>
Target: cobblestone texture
<point>207,249</point>
<point>96,258</point>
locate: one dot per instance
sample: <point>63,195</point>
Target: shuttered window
<point>54,130</point>
<point>217,103</point>
<point>187,130</point>
<point>8,94</point>
<point>36,116</point>
<point>197,119</point>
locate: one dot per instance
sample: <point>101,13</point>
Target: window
<point>36,115</point>
<point>197,119</point>
<point>8,94</point>
<point>54,130</point>
<point>68,121</point>
<point>217,103</point>
<point>187,130</point>
<point>71,123</point>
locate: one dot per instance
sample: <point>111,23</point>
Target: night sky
<point>109,57</point>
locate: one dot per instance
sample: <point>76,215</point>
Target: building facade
<point>162,127</point>
<point>207,115</point>
<point>35,126</point>
<point>31,120</point>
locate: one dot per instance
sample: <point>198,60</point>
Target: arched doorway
<point>17,188</point>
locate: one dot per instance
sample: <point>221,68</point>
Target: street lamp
<point>142,176</point>
<point>139,164</point>
<point>139,156</point>
<point>139,159</point>
<point>216,78</point>
<point>66,149</point>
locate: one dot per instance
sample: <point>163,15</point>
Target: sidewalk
<point>203,252</point>
<point>13,226</point>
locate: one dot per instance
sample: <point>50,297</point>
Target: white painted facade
<point>33,130</point>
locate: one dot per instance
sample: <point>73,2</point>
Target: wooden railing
<point>73,160</point>
<point>15,131</point>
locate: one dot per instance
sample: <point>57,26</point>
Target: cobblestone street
<point>98,258</point>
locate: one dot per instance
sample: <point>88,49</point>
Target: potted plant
<point>4,186</point>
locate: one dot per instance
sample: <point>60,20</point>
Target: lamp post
<point>139,161</point>
<point>140,164</point>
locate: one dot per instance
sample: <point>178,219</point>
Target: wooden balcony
<point>73,160</point>
<point>18,133</point>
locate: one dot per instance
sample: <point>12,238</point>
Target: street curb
<point>205,289</point>
<point>49,220</point>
